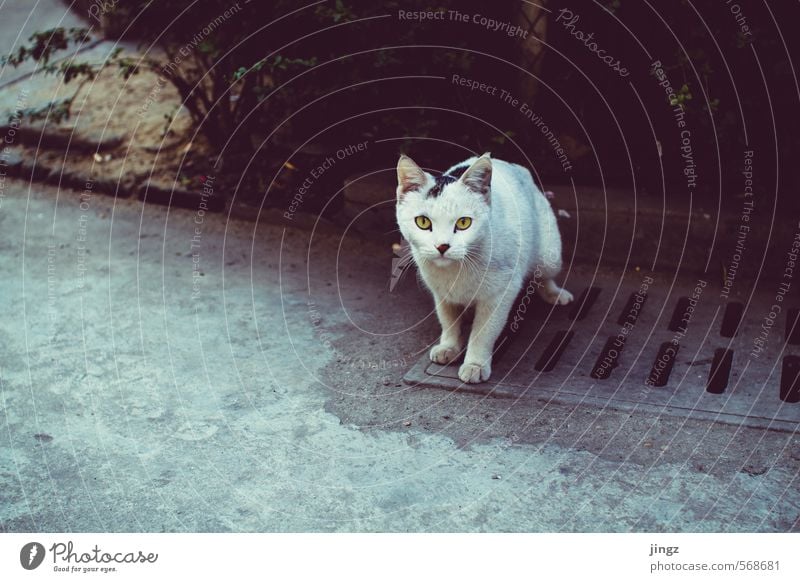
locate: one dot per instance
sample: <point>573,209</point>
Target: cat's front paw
<point>444,354</point>
<point>564,297</point>
<point>472,373</point>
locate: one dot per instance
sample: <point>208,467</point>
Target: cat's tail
<point>401,262</point>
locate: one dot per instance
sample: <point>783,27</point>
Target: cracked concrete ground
<point>251,381</point>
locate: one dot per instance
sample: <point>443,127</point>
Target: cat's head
<point>444,219</point>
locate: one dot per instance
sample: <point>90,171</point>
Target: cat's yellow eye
<point>423,222</point>
<point>463,223</point>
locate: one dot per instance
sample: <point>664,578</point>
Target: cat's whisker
<point>471,265</point>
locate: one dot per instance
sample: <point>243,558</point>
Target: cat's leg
<point>554,294</point>
<point>490,319</point>
<point>549,268</point>
<point>450,343</point>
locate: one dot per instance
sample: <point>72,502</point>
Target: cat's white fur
<point>513,235</point>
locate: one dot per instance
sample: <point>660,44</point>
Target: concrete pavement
<point>173,370</point>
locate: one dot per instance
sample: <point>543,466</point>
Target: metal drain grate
<point>676,349</point>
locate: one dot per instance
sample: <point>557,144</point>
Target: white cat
<point>476,233</point>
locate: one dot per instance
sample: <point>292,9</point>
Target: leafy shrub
<point>261,79</point>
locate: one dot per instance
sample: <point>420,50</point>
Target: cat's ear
<point>478,176</point>
<point>409,176</point>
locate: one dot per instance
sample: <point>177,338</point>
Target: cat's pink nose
<point>442,248</point>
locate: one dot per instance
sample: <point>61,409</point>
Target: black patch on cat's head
<point>441,182</point>
<point>458,171</point>
<point>445,179</point>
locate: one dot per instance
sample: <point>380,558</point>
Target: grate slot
<point>608,358</point>
<point>632,308</point>
<point>554,351</point>
<point>584,303</point>
<point>731,319</point>
<point>677,316</point>
<point>793,326</point>
<point>720,371</point>
<point>662,367</point>
<point>790,379</point>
